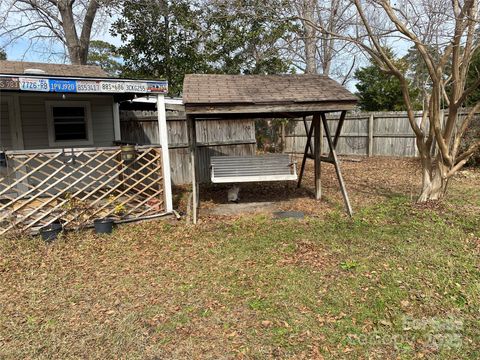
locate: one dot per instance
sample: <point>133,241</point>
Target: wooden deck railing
<point>75,186</point>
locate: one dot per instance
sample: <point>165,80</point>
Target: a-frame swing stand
<point>315,152</point>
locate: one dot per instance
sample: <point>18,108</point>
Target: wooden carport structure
<point>270,96</point>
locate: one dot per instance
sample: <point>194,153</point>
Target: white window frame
<point>51,127</point>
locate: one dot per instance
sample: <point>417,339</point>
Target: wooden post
<point>15,118</point>
<point>317,149</point>
<point>116,121</point>
<point>333,155</point>
<point>163,137</point>
<point>322,137</point>
<point>338,132</point>
<point>308,145</point>
<point>370,136</point>
<point>307,131</point>
<point>192,141</point>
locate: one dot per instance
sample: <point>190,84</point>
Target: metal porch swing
<point>240,169</point>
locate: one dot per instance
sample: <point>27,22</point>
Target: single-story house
<point>60,129</point>
<point>56,105</point>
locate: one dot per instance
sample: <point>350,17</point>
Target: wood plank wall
<point>215,137</point>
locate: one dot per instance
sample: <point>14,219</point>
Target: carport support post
<point>116,122</point>
<point>163,137</point>
<point>317,149</point>
<point>192,141</point>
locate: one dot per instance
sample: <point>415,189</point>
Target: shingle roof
<point>260,89</point>
<point>19,67</point>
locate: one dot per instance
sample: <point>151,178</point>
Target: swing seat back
<point>237,169</point>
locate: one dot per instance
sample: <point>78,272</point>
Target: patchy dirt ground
<point>368,180</point>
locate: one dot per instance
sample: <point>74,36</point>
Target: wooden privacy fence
<point>369,134</point>
<point>215,137</point>
<point>78,185</point>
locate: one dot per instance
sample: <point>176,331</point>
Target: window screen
<point>70,123</point>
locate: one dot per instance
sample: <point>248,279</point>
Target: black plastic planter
<point>50,232</point>
<point>103,226</point>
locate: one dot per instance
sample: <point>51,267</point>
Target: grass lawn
<point>396,281</point>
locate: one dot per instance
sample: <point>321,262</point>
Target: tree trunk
<point>77,46</point>
<point>310,47</point>
<point>434,183</point>
<point>310,40</point>
<point>77,55</point>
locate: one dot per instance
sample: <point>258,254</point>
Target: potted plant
<point>103,225</point>
<point>50,232</point>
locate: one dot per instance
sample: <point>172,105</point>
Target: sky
<point>25,49</point>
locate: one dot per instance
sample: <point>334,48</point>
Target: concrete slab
<point>232,209</point>
<point>288,215</point>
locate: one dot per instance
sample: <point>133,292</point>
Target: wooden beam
<point>268,109</point>
<point>370,135</point>
<point>339,128</point>
<point>326,159</point>
<point>317,149</point>
<point>333,155</point>
<point>192,140</point>
<point>307,130</point>
<point>305,154</point>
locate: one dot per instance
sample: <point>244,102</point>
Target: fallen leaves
<point>309,254</point>
<point>157,290</point>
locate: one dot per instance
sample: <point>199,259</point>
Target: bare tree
<point>315,49</point>
<point>443,33</point>
<point>306,11</point>
<point>71,22</point>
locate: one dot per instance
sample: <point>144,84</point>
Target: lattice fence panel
<point>78,185</point>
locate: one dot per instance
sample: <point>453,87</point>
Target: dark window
<point>69,123</point>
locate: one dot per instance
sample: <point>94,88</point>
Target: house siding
<point>5,133</point>
<point>34,119</point>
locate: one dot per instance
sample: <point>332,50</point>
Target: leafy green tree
<point>161,39</point>
<point>245,38</point>
<point>3,55</point>
<point>175,38</point>
<point>104,54</point>
<point>380,91</point>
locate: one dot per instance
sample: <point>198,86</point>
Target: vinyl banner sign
<point>83,86</point>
